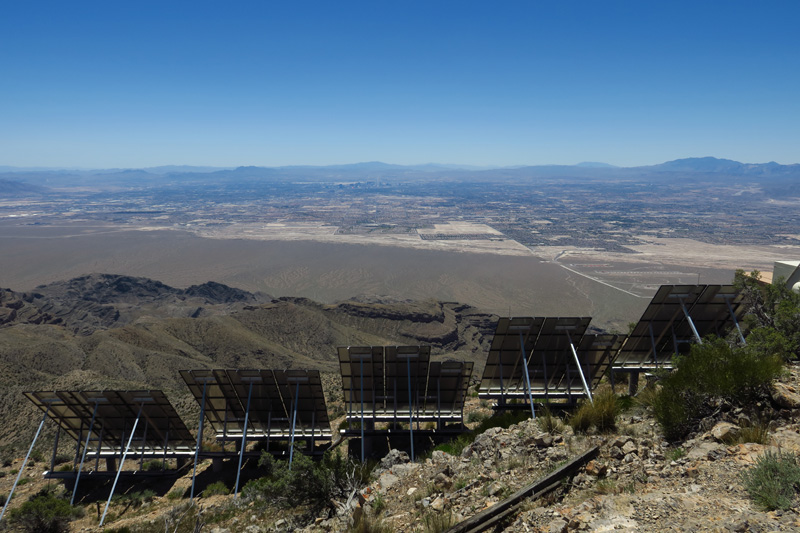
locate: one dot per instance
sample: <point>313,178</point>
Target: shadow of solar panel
<point>446,390</point>
<point>675,318</point>
<point>111,415</point>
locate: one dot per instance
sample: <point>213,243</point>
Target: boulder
<point>394,457</point>
<point>785,395</point>
<point>725,431</point>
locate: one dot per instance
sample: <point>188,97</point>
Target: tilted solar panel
<point>112,416</point>
<point>677,316</point>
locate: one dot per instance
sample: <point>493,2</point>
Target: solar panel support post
<point>527,376</point>
<point>691,323</point>
<point>166,445</point>
<point>199,438</point>
<point>122,461</point>
<point>244,441</point>
<point>735,322</point>
<point>439,424</point>
<point>144,445</point>
<point>78,445</point>
<point>313,427</point>
<point>99,447</point>
<point>410,409</point>
<point>546,381</point>
<point>362,410</point>
<point>269,427</point>
<point>580,369</point>
<point>25,461</point>
<point>83,455</point>
<point>55,449</point>
<point>294,421</point>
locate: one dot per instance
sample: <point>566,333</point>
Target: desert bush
<point>714,369</point>
<point>773,482</point>
<point>434,522</point>
<point>307,482</point>
<point>44,513</point>
<point>475,417</point>
<point>773,315</point>
<point>154,465</point>
<point>602,414</point>
<point>215,489</point>
<point>548,422</point>
<point>175,494</point>
<point>365,524</point>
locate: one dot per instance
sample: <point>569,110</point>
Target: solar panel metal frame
<point>548,356</point>
<point>404,365</point>
<point>271,403</point>
<point>363,364</point>
<point>503,372</point>
<point>712,308</point>
<point>551,362</point>
<point>305,388</point>
<point>447,390</point>
<point>162,431</point>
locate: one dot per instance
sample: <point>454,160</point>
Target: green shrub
<point>757,433</point>
<point>366,524</point>
<point>713,369</point>
<point>675,454</point>
<point>44,513</point>
<point>154,465</point>
<point>175,494</point>
<point>307,482</point>
<point>475,417</point>
<point>773,315</point>
<point>773,481</point>
<point>434,522</point>
<point>215,489</point>
<point>602,414</point>
<point>548,422</point>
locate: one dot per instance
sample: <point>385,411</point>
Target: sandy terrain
<point>298,231</point>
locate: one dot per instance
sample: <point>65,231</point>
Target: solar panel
<point>543,345</point>
<point>503,371</point>
<point>362,380</point>
<point>447,389</point>
<point>160,431</point>
<point>271,396</point>
<point>677,316</point>
<point>406,373</point>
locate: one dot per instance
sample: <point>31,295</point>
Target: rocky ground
<point>638,482</point>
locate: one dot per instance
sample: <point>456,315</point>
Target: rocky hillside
<point>637,483</point>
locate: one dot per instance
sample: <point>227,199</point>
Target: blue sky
<point>136,84</point>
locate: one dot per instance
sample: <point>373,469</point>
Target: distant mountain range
<point>21,181</point>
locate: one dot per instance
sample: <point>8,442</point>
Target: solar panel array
<point>271,395</point>
<point>669,322</point>
<point>159,431</point>
<point>544,346</point>
<point>392,383</point>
